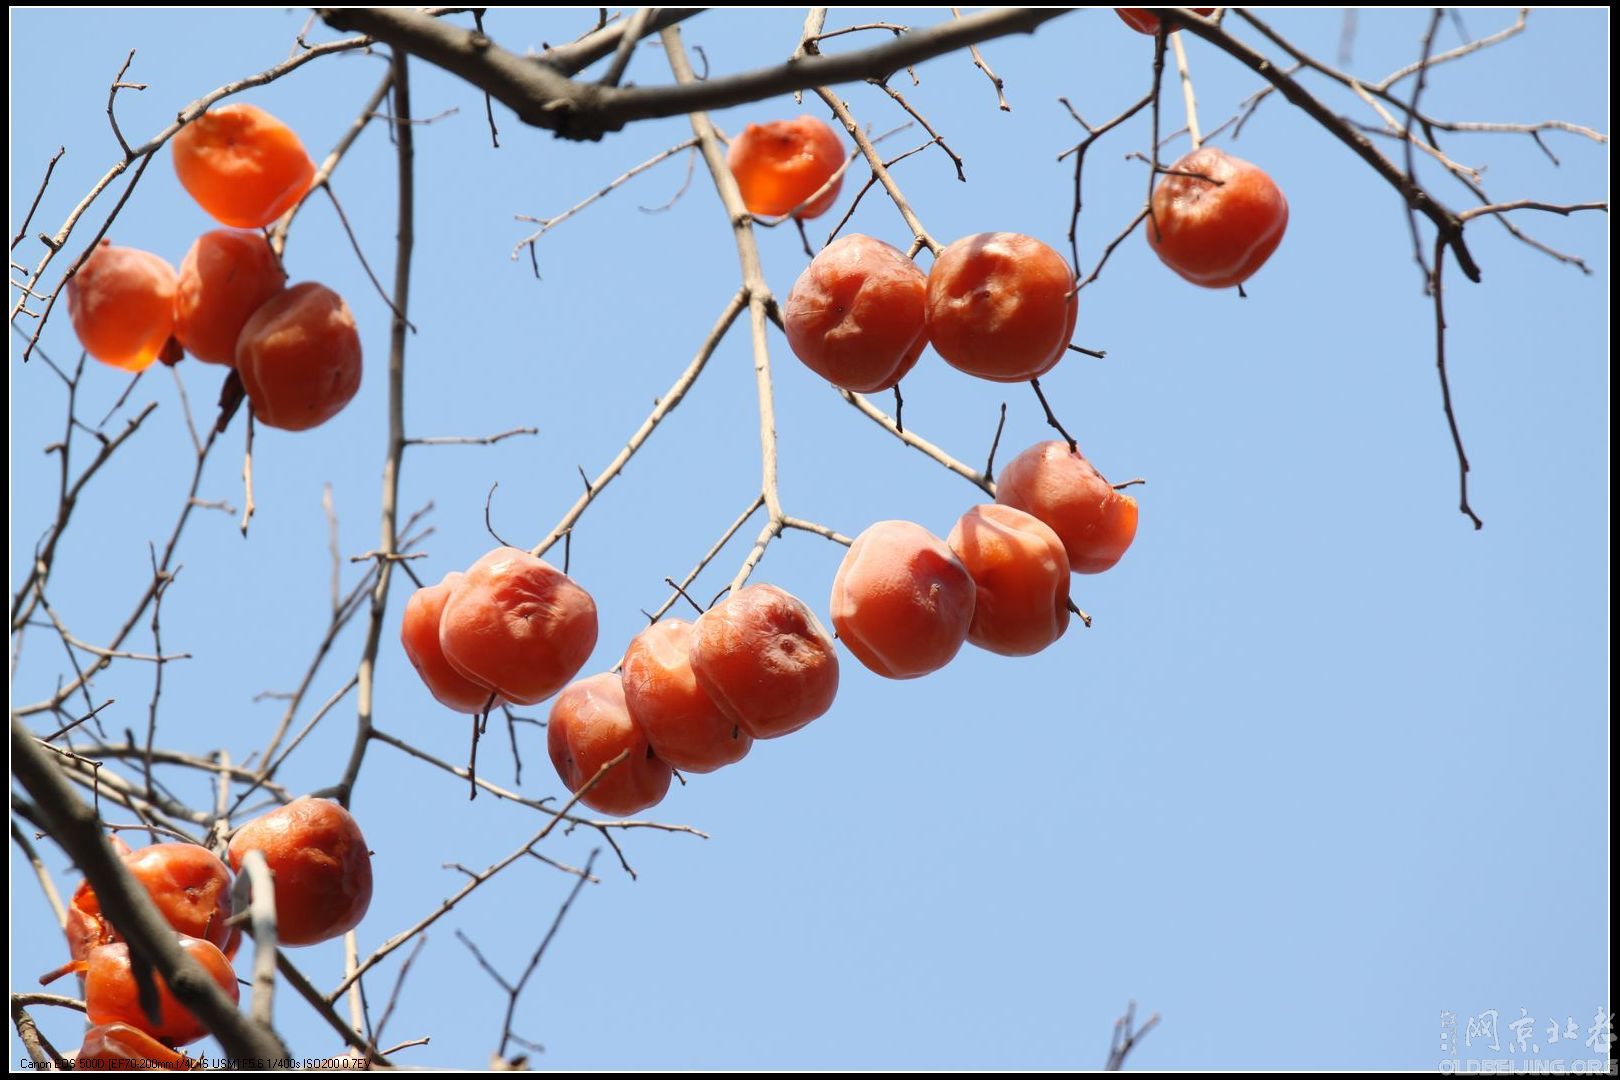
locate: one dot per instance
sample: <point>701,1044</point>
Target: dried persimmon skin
<point>321,866</point>
<point>902,601</point>
<point>589,727</point>
<point>1216,219</point>
<point>243,166</point>
<point>682,723</point>
<point>1022,578</point>
<point>779,165</point>
<point>1060,487</point>
<point>857,316</point>
<point>765,660</point>
<point>1001,306</point>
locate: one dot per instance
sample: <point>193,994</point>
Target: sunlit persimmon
<point>518,625</point>
<point>1145,21</point>
<point>242,165</point>
<point>121,304</point>
<point>419,633</point>
<point>781,164</point>
<point>902,601</point>
<point>119,1047</point>
<point>225,277</point>
<point>765,660</point>
<point>321,866</point>
<point>1216,218</point>
<point>111,995</point>
<point>1001,306</point>
<point>1021,575</point>
<point>299,358</point>
<point>682,723</point>
<point>1064,490</point>
<point>589,726</point>
<point>856,316</point>
<point>189,885</point>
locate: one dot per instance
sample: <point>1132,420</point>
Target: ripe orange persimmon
<point>111,996</point>
<point>321,865</point>
<point>419,633</point>
<point>242,165</point>
<point>1022,577</point>
<point>1001,306</point>
<point>1144,21</point>
<point>1064,490</point>
<point>1219,223</point>
<point>518,625</point>
<point>682,723</point>
<point>225,277</point>
<point>589,726</point>
<point>781,164</point>
<point>189,885</point>
<point>902,601</point>
<point>856,316</point>
<point>120,1047</point>
<point>121,303</point>
<point>299,358</point>
<point>765,660</point>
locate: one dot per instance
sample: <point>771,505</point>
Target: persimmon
<point>242,165</point>
<point>1001,306</point>
<point>111,995</point>
<point>902,601</point>
<point>225,277</point>
<point>1064,490</point>
<point>321,865</point>
<point>589,726</point>
<point>682,723</point>
<point>1216,219</point>
<point>781,164</point>
<point>419,633</point>
<point>121,303</point>
<point>856,316</point>
<point>518,625</point>
<point>189,885</point>
<point>122,1047</point>
<point>299,357</point>
<point>1021,579</point>
<point>1144,21</point>
<point>765,660</point>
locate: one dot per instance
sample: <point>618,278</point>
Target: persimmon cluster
<point>296,348</point>
<point>321,870</point>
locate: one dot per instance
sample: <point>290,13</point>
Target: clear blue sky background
<point>1328,764</point>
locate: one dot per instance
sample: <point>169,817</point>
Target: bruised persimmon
<point>781,164</point>
<point>188,884</point>
<point>518,625</point>
<point>225,277</point>
<point>121,1047</point>
<point>1001,306</point>
<point>902,601</point>
<point>242,165</point>
<point>765,660</point>
<point>856,315</point>
<point>1145,21</point>
<point>419,633</point>
<point>299,357</point>
<point>111,995</point>
<point>589,726</point>
<point>1064,490</point>
<point>321,866</point>
<point>1216,219</point>
<point>1021,577</point>
<point>682,723</point>
<point>121,303</point>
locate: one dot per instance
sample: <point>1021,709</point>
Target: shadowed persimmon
<point>781,164</point>
<point>121,1047</point>
<point>1001,306</point>
<point>589,726</point>
<point>299,358</point>
<point>321,866</point>
<point>1143,20</point>
<point>518,625</point>
<point>121,304</point>
<point>856,316</point>
<point>189,885</point>
<point>111,996</point>
<point>1064,490</point>
<point>419,634</point>
<point>902,601</point>
<point>682,723</point>
<point>1022,577</point>
<point>1216,218</point>
<point>242,165</point>
<point>225,277</point>
<point>765,660</point>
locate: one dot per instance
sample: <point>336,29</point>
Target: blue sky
<point>1329,765</point>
